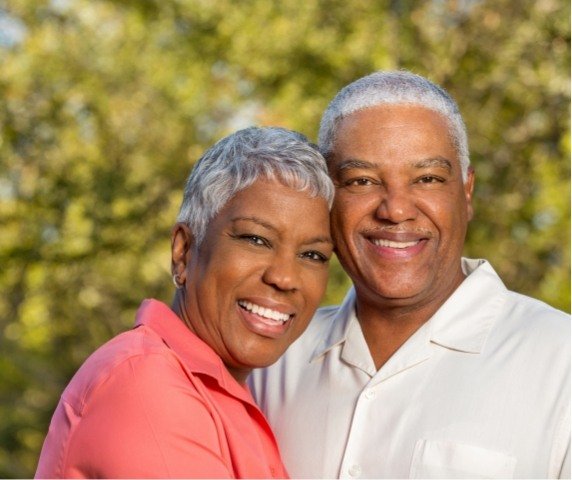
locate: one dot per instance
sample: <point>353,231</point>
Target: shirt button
<point>369,394</point>
<point>355,471</point>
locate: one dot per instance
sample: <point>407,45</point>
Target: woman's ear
<point>182,243</point>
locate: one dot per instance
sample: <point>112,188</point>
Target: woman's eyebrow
<point>325,240</point>
<point>253,219</point>
<point>320,239</point>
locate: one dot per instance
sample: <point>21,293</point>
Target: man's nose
<point>396,205</point>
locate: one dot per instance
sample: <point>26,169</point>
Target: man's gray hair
<point>238,160</point>
<point>394,88</point>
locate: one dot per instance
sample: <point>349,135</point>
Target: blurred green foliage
<point>106,105</point>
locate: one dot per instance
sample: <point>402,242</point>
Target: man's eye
<point>430,179</point>
<point>315,256</point>
<point>359,182</point>
<point>358,185</point>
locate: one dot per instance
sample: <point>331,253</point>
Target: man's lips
<point>393,244</point>
<point>400,243</point>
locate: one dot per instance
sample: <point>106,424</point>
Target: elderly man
<point>431,367</point>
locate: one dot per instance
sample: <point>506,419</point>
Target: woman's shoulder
<point>133,410</point>
<point>135,356</point>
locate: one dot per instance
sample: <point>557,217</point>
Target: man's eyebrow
<point>353,163</point>
<point>438,161</point>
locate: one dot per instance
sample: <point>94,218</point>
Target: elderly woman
<point>250,258</point>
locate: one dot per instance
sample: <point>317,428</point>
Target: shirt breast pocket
<point>439,459</point>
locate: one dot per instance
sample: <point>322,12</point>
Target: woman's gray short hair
<point>394,87</point>
<point>238,160</point>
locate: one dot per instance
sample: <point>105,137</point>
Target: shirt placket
<point>353,464</point>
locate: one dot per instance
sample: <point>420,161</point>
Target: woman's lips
<point>264,320</point>
<point>264,312</point>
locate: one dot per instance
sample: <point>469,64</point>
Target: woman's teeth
<point>264,312</point>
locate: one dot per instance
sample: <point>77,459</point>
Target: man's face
<point>401,209</point>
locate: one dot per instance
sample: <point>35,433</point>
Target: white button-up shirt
<point>480,390</point>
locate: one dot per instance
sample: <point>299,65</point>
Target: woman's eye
<point>315,256</point>
<point>255,240</point>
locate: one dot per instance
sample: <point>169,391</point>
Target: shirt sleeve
<point>147,420</point>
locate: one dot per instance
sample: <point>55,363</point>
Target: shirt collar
<point>344,320</point>
<point>196,355</point>
<point>462,323</point>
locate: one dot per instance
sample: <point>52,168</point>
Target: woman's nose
<point>282,273</point>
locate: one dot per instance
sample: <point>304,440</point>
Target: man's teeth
<point>264,312</point>
<point>392,244</point>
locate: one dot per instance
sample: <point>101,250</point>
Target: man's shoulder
<point>535,316</point>
<point>517,312</point>
<point>531,330</point>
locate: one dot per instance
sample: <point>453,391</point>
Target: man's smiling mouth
<point>393,244</point>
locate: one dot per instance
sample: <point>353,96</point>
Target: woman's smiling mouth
<point>265,313</point>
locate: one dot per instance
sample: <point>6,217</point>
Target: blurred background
<point>106,104</point>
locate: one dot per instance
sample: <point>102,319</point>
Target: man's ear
<point>182,243</point>
<point>468,186</point>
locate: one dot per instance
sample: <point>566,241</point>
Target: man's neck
<point>388,323</point>
<point>385,331</point>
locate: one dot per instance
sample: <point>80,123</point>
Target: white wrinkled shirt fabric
<point>482,390</point>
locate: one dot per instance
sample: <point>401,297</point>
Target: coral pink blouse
<point>158,402</point>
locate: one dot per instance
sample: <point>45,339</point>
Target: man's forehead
<point>399,127</point>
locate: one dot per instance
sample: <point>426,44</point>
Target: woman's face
<point>253,285</point>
